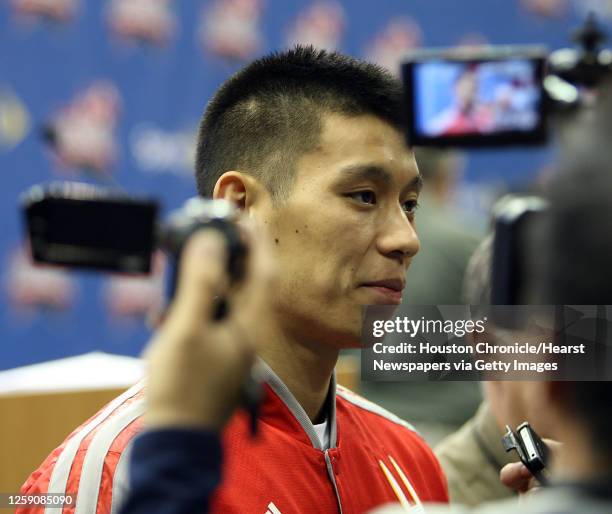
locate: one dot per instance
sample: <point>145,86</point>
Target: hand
<point>516,475</point>
<point>196,365</point>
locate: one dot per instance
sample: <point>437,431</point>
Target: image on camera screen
<point>476,98</point>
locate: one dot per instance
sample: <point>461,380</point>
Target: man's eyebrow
<point>365,172</point>
<point>377,174</point>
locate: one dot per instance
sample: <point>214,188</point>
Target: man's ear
<point>237,187</point>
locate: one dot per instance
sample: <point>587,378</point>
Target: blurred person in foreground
<point>309,145</point>
<point>473,456</point>
<point>572,256</point>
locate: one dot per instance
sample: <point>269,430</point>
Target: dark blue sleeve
<point>173,471</point>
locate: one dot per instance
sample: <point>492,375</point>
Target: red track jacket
<point>374,458</point>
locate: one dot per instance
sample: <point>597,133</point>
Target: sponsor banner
<point>501,342</point>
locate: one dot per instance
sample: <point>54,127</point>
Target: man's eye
<point>368,197</point>
<point>411,206</point>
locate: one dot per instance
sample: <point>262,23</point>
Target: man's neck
<point>578,461</point>
<point>305,369</point>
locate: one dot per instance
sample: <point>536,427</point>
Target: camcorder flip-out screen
<point>475,98</point>
<point>75,225</point>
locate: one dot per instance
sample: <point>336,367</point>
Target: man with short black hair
<point>269,114</point>
<point>309,145</point>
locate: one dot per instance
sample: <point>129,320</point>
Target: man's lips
<point>388,290</point>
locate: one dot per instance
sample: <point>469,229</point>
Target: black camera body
<point>476,97</point>
<point>90,227</point>
<point>489,96</point>
<point>532,451</point>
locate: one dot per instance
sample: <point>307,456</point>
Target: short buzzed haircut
<point>267,115</point>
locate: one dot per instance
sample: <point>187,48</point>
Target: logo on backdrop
<point>389,46</point>
<point>151,21</point>
<point>320,25</point>
<point>34,286</point>
<point>137,296</point>
<point>55,10</point>
<point>231,28</point>
<point>159,151</point>
<point>82,133</point>
<point>472,40</point>
<point>14,119</point>
<point>546,8</point>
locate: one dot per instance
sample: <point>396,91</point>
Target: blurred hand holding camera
<point>197,364</point>
<point>516,476</point>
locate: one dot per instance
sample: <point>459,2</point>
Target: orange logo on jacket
<point>407,497</point>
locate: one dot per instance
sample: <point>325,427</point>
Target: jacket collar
<point>281,409</point>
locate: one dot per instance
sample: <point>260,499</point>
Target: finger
<point>202,276</point>
<point>515,476</point>
<point>554,446</point>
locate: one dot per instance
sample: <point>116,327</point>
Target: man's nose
<point>398,237</point>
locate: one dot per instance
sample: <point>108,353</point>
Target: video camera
<point>504,96</point>
<point>499,95</point>
<point>84,226</point>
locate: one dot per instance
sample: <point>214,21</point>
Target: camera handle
<point>218,215</point>
<point>532,451</point>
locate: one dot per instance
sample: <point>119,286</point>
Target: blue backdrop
<point>119,87</point>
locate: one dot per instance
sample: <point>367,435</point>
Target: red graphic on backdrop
<point>321,25</point>
<point>32,286</point>
<point>231,28</point>
<point>137,296</point>
<point>151,21</point>
<point>56,10</point>
<point>546,8</point>
<point>82,134</point>
<point>390,45</point>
